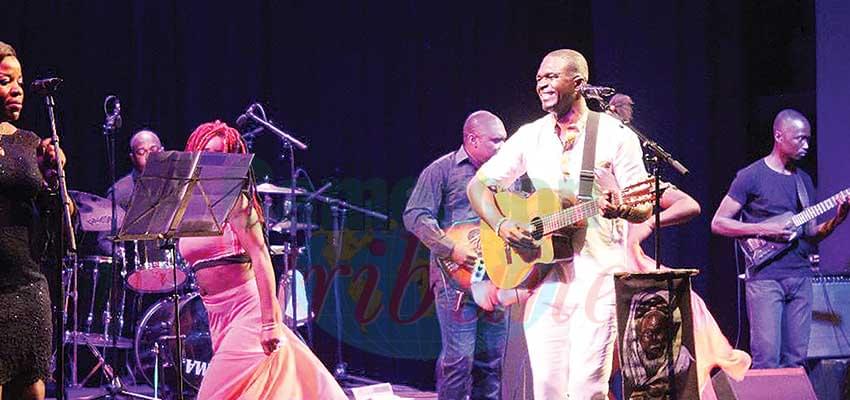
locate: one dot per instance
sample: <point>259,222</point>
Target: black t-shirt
<point>764,193</point>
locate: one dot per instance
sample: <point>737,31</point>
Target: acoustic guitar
<point>542,211</point>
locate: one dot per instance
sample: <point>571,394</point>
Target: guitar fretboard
<point>814,211</point>
<point>568,216</point>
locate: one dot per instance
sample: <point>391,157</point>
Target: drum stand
<point>115,387</point>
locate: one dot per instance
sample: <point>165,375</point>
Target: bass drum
<point>157,327</point>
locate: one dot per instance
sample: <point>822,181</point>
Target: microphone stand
<point>115,387</point>
<point>654,159</point>
<point>66,232</point>
<point>289,266</point>
<point>339,209</point>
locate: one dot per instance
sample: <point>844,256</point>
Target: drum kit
<point>147,271</point>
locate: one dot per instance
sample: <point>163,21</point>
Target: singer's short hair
<point>6,50</point>
<point>576,63</point>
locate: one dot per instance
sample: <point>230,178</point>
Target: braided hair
<point>233,144</point>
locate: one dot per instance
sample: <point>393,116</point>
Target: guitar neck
<point>569,216</point>
<point>816,210</point>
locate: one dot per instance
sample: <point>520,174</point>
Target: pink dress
<point>239,368</point>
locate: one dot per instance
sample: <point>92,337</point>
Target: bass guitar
<point>464,274</point>
<point>758,251</point>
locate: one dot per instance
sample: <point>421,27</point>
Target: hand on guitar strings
<point>775,230</point>
<point>463,253</point>
<point>516,235</point>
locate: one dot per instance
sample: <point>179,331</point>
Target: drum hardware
<point>88,337</point>
<point>303,314</point>
<point>156,342</point>
<point>156,369</point>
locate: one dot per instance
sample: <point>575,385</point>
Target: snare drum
<point>157,326</point>
<point>154,269</point>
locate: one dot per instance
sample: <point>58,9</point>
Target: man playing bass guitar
<point>473,335</point>
<point>776,248</point>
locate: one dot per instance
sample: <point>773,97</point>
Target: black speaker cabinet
<point>765,384</point>
<point>830,317</point>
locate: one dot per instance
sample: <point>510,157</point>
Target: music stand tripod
<point>183,194</point>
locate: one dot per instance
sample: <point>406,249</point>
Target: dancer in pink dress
<point>254,355</point>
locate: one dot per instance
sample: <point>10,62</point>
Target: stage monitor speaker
<point>830,333</point>
<point>765,384</point>
<point>831,378</point>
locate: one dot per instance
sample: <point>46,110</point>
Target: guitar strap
<point>801,190</point>
<point>588,158</point>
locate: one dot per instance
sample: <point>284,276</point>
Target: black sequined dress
<point>25,325</point>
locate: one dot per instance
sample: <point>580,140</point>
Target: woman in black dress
<point>25,326</point>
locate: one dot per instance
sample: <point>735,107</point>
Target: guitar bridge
<point>508,255</point>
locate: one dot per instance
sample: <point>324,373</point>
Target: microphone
<point>45,86</point>
<point>113,120</point>
<point>244,118</point>
<point>266,123</point>
<point>595,92</point>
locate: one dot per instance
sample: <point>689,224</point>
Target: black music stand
<point>183,194</point>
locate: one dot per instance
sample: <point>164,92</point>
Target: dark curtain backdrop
<point>379,89</point>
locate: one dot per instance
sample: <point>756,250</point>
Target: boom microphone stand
<point>339,209</point>
<point>115,387</point>
<point>291,142</point>
<point>599,94</point>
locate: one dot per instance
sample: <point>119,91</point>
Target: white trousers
<point>570,328</point>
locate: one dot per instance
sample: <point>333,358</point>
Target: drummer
<point>142,144</point>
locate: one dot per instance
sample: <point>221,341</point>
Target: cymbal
<point>97,340</point>
<point>283,226</point>
<point>95,211</point>
<point>269,188</point>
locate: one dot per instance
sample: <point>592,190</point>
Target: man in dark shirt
<point>142,143</point>
<point>473,339</point>
<point>778,294</point>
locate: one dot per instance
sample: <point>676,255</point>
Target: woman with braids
<point>25,160</point>
<point>254,355</point>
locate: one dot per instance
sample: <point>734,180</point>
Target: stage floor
<point>401,391</point>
